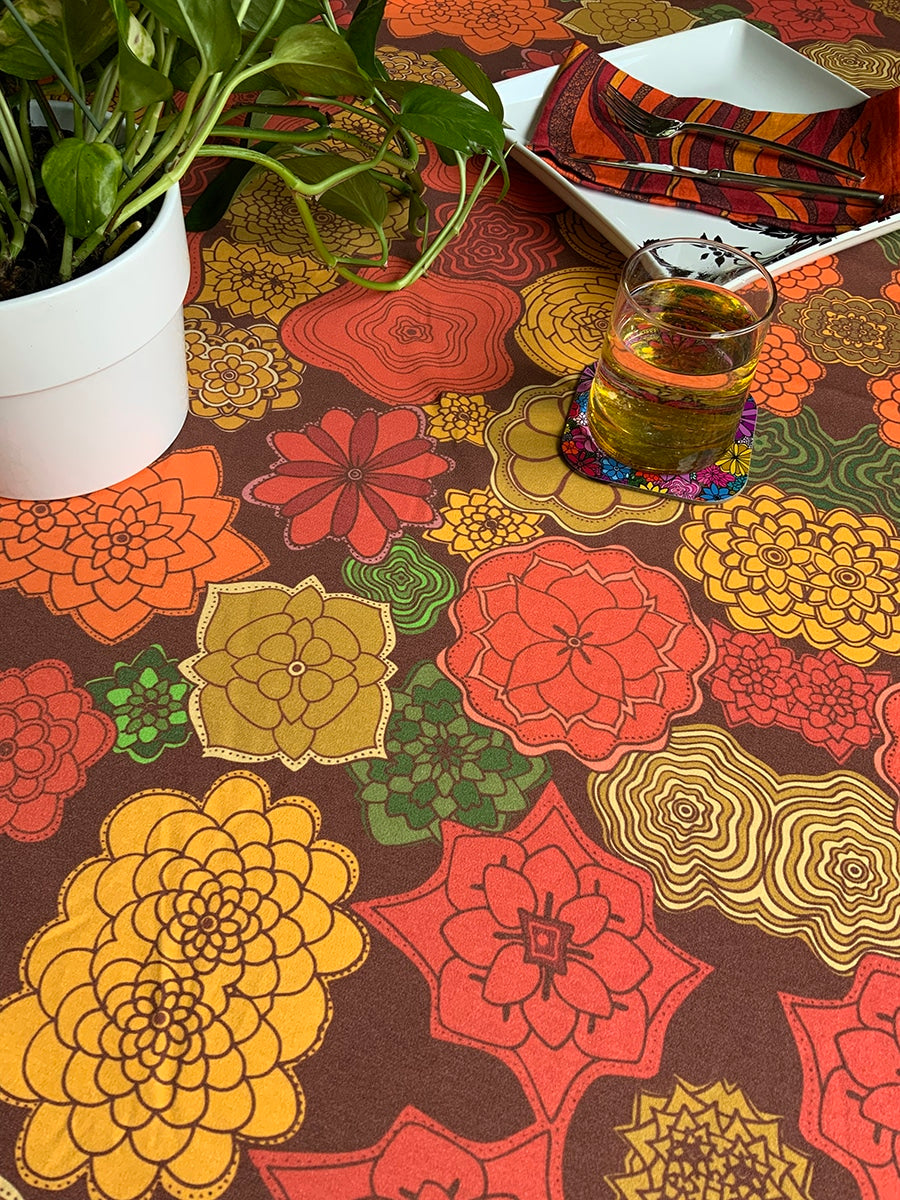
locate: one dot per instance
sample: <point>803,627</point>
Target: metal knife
<point>759,183</point>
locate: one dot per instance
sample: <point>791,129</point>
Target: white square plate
<point>731,61</point>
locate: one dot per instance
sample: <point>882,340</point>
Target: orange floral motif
<point>887,407</point>
<point>485,26</point>
<point>812,277</point>
<point>163,1012</point>
<point>786,373</point>
<point>115,557</point>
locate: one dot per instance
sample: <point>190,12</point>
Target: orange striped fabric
<point>575,121</point>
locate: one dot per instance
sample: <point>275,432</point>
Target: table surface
<point>389,811</point>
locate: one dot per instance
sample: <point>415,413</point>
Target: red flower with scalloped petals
<point>540,948</point>
<point>115,557</point>
<point>417,1159</point>
<point>402,347</point>
<point>850,1050</point>
<point>355,479</point>
<point>50,733</point>
<point>804,20</point>
<point>590,651</point>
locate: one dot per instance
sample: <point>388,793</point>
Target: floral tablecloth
<point>390,813</point>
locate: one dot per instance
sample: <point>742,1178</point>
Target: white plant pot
<point>93,374</point>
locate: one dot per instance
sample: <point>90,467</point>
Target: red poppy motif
<point>501,242</point>
<point>356,479</point>
<point>50,733</point>
<point>417,1159</point>
<point>828,700</point>
<point>850,1050</point>
<point>540,948</point>
<point>590,651</point>
<point>402,347</point>
<point>803,20</point>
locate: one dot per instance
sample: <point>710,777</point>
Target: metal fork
<point>650,125</point>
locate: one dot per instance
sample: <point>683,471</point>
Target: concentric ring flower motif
<point>779,563</point>
<point>50,733</point>
<point>589,651</point>
<point>850,1051</point>
<point>355,479</point>
<point>291,673</point>
<point>163,1011</point>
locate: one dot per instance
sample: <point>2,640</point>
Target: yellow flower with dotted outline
<point>163,1012</point>
<point>478,521</point>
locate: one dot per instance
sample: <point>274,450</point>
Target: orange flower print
<point>887,407</point>
<point>786,373</point>
<point>485,26</point>
<point>115,557</point>
<point>797,284</point>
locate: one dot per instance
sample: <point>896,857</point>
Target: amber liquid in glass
<point>666,395</point>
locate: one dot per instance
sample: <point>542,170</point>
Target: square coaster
<point>711,485</point>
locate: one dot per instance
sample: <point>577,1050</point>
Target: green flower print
<point>147,699</point>
<point>417,588</point>
<point>440,764</point>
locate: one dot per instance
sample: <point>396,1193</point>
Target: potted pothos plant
<point>104,105</point>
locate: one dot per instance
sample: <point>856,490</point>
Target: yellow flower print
<point>627,21</point>
<point>237,375</point>
<point>588,242</point>
<point>736,461</point>
<point>165,1008</point>
<point>254,281</point>
<point>778,563</point>
<point>867,67</point>
<point>718,1126</point>
<point>456,418</point>
<point>478,521</point>
<point>417,68</point>
<point>531,475</point>
<point>291,673</point>
<point>795,855</point>
<point>840,327</point>
<point>566,314</point>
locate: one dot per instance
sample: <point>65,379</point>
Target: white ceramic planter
<point>93,375</point>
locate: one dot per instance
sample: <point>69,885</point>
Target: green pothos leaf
<point>82,181</point>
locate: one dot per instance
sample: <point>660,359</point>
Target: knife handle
<point>770,183</point>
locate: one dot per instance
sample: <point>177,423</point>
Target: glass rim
<point>751,262</point>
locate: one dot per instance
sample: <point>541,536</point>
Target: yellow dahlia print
<point>707,1141</point>
<point>815,857</point>
<point>291,673</point>
<point>254,281</point>
<point>779,563</point>
<point>237,375</point>
<point>164,1011</point>
<point>565,317</point>
<point>478,521</point>
<point>457,418</point>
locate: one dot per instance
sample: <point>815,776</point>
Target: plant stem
<point>66,265</point>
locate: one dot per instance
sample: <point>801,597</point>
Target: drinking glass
<point>688,323</point>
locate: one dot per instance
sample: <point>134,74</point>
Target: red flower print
<point>850,1050</point>
<point>803,20</point>
<point>355,479</point>
<point>589,651</point>
<point>887,757</point>
<point>539,947</point>
<point>113,558</point>
<point>525,192</point>
<point>501,242</point>
<point>50,733</point>
<point>403,346</point>
<point>830,701</point>
<point>417,1159</point>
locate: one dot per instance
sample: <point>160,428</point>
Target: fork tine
<point>626,111</point>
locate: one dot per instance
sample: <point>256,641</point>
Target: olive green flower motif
<point>456,418</point>
<point>417,588</point>
<point>147,700</point>
<point>627,21</point>
<point>291,673</point>
<point>440,764</point>
<point>478,521</point>
<point>840,327</point>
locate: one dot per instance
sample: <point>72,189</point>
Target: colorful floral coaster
<point>710,485</point>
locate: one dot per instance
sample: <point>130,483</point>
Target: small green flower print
<point>440,764</point>
<point>147,699</point>
<point>417,588</point>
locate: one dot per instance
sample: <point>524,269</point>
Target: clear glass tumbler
<point>687,326</point>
